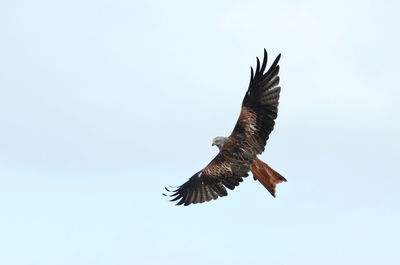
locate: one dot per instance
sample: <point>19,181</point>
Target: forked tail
<point>266,175</point>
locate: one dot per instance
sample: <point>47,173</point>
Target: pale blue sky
<point>103,103</point>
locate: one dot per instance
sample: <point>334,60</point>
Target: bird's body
<point>260,170</point>
<point>238,152</point>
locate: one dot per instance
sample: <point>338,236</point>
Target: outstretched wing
<point>211,182</point>
<point>260,107</point>
<point>233,162</point>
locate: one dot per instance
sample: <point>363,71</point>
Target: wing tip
<point>278,57</point>
<point>258,65</point>
<point>185,198</point>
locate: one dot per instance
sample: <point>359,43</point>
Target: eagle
<point>238,153</point>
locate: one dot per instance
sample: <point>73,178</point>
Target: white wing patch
<point>252,128</point>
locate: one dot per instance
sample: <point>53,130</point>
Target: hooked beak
<point>213,143</point>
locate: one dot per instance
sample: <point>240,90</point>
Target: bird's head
<point>219,141</point>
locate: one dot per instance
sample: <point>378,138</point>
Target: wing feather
<point>211,182</point>
<point>259,108</point>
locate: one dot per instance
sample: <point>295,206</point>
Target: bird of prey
<point>238,152</point>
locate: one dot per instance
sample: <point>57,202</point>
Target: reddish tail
<point>266,175</point>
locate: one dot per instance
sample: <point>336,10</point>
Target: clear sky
<point>103,103</point>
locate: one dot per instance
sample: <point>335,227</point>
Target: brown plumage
<point>266,175</point>
<point>238,152</point>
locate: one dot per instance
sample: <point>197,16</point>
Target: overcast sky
<point>103,103</point>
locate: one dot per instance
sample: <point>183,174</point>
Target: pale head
<point>219,141</point>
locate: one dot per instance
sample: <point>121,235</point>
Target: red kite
<point>238,152</point>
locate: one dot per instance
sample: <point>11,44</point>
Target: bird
<point>238,153</point>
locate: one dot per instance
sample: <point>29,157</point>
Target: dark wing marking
<point>260,106</point>
<point>211,182</point>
